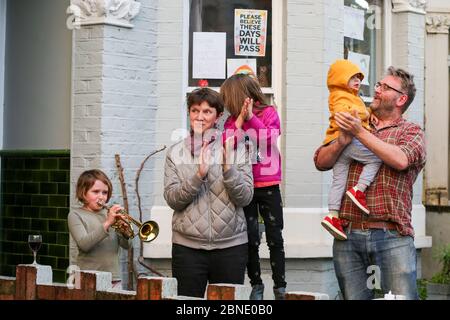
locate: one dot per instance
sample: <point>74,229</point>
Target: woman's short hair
<point>87,180</point>
<point>198,96</point>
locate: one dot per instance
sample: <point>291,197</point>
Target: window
<point>364,46</point>
<point>219,16</point>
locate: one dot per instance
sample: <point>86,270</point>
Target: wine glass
<point>34,241</point>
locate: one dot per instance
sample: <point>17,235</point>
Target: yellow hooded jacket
<point>342,98</point>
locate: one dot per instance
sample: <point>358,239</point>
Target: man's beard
<point>384,108</point>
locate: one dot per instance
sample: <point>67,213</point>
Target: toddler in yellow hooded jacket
<point>343,81</point>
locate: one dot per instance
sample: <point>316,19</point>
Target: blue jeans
<point>375,255</point>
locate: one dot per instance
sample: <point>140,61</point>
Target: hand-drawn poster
<point>245,66</point>
<point>250,32</point>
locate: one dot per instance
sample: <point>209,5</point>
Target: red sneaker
<point>358,198</point>
<point>333,226</point>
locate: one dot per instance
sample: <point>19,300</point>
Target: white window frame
<point>387,34</point>
<point>386,41</point>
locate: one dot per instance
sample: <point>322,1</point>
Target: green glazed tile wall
<point>35,189</point>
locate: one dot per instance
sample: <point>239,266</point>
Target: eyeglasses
<point>385,86</point>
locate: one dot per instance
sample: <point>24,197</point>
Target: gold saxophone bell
<point>148,230</point>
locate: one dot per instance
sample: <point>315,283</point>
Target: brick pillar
<point>436,108</point>
<point>7,288</point>
<point>113,96</point>
<point>93,280</point>
<point>87,285</point>
<point>156,288</point>
<point>224,291</point>
<point>28,277</point>
<point>408,43</point>
<point>313,42</point>
<point>303,295</point>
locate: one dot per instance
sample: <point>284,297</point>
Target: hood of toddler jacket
<point>340,73</point>
<point>342,98</point>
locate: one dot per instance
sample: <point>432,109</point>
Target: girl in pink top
<point>258,123</point>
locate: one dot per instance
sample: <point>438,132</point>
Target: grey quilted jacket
<point>207,213</point>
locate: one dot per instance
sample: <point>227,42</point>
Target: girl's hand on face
<point>241,118</point>
<point>205,158</point>
<point>249,103</point>
<point>244,109</point>
<point>246,113</point>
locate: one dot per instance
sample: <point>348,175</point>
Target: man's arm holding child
<point>327,155</point>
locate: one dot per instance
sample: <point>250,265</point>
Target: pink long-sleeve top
<point>263,130</point>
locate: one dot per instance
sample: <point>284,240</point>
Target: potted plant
<point>438,288</point>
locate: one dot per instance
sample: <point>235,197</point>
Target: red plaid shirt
<point>389,197</point>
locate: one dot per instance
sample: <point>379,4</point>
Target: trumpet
<point>148,230</point>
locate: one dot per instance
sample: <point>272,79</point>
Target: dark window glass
<point>218,16</point>
<point>371,45</point>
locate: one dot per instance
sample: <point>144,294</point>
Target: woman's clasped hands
<point>206,158</point>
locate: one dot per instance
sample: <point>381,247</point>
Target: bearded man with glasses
<point>385,238</point>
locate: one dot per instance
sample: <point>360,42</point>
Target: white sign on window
<point>363,61</point>
<point>250,32</point>
<point>208,55</point>
<point>353,23</point>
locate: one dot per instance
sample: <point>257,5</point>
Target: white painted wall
<point>438,4</point>
<point>171,112</point>
<point>37,75</point>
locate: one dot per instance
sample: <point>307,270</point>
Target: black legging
<point>268,199</point>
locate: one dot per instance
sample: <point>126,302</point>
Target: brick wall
<point>301,274</point>
<point>114,107</point>
<point>35,283</point>
<point>35,200</point>
<point>171,113</point>
<point>114,101</point>
<point>314,38</point>
<point>408,52</point>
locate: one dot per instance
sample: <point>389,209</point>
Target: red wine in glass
<point>35,241</point>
